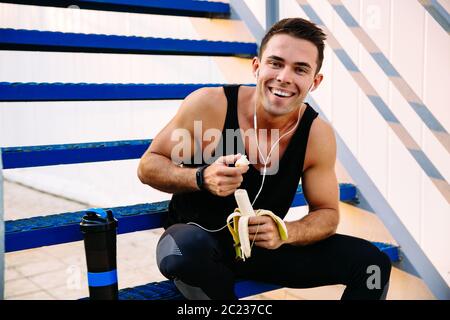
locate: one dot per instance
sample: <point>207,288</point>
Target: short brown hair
<point>298,28</point>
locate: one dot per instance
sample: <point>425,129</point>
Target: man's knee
<point>376,265</point>
<point>181,248</point>
<point>385,266</point>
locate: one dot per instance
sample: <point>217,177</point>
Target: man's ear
<point>255,66</point>
<point>316,82</point>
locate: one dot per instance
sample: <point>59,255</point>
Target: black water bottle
<point>99,228</point>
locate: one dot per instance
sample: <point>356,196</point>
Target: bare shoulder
<point>321,147</point>
<point>321,133</point>
<point>204,101</point>
<point>203,105</point>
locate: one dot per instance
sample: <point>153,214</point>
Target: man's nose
<point>284,76</point>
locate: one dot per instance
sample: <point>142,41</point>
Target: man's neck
<point>285,122</point>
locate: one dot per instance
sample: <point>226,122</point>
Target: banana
<point>242,161</point>
<point>240,217</point>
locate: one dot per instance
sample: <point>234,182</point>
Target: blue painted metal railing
<point>438,12</point>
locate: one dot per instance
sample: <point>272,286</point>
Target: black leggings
<point>203,264</point>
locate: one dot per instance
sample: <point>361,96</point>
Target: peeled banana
<point>240,217</point>
<point>242,161</point>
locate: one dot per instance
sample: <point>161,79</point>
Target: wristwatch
<point>199,176</point>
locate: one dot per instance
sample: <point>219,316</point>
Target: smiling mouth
<point>280,93</point>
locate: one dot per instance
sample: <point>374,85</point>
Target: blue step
<point>166,290</point>
<point>12,39</point>
<point>33,91</point>
<point>164,7</point>
<point>49,155</point>
<point>390,250</point>
<point>64,227</point>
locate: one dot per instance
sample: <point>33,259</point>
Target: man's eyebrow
<point>301,64</point>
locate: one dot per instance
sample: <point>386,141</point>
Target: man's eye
<point>275,64</point>
<point>300,70</point>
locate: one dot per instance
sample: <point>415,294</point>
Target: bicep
<point>320,188</point>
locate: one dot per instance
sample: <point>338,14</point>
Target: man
<point>272,117</point>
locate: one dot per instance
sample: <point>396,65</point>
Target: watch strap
<point>200,178</point>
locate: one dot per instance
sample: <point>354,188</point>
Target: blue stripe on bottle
<point>101,279</point>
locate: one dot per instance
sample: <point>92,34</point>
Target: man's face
<point>286,72</point>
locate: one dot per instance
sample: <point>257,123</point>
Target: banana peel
<point>239,229</point>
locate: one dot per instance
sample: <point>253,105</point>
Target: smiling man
<point>274,127</point>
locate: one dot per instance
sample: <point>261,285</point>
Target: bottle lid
<point>98,220</point>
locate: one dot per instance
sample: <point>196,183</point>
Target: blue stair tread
<point>19,39</point>
<point>391,250</point>
<point>45,155</point>
<point>191,8</point>
<point>95,91</point>
<point>68,218</point>
<point>164,290</point>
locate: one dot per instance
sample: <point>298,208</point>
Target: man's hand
<point>265,235</point>
<point>222,180</point>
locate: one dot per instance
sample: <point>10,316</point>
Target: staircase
<point>91,92</point>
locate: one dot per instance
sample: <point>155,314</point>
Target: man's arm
<point>321,191</point>
<point>158,167</point>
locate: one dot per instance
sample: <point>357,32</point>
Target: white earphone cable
<point>266,161</point>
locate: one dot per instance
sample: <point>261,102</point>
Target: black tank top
<point>211,211</point>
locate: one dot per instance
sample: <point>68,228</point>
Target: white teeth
<point>281,93</point>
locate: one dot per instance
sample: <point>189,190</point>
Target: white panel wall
<point>22,66</point>
<point>419,49</point>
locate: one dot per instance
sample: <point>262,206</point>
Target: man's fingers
<point>252,229</point>
<point>254,221</point>
<point>230,189</point>
<point>260,237</point>
<point>262,244</point>
<point>229,159</point>
<point>230,181</point>
<point>232,171</point>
